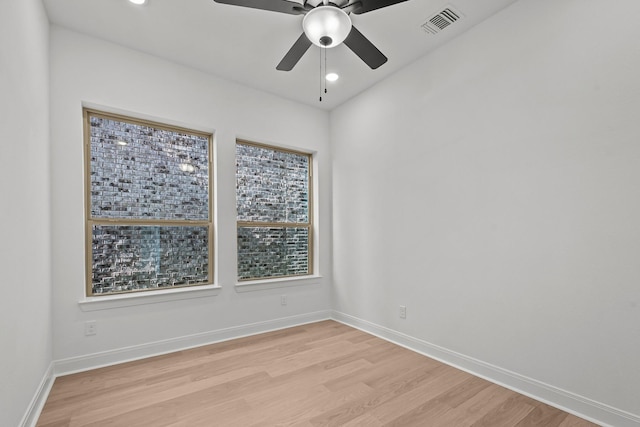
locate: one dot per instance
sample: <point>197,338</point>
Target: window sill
<point>259,285</point>
<point>150,297</point>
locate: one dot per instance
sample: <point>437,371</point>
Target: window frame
<point>90,221</point>
<point>309,225</point>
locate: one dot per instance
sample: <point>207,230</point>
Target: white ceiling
<point>245,45</point>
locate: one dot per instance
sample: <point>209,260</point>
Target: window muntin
<point>148,205</point>
<point>274,212</point>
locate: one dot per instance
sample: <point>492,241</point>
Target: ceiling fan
<point>326,24</point>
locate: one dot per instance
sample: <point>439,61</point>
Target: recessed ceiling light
<point>138,1</point>
<point>332,77</point>
<point>121,142</point>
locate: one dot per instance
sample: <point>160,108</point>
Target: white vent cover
<point>442,20</point>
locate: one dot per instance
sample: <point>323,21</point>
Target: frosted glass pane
<point>148,173</point>
<point>128,258</point>
<point>272,252</point>
<point>271,185</point>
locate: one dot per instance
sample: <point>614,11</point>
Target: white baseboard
<point>583,407</point>
<point>127,354</point>
<point>32,414</point>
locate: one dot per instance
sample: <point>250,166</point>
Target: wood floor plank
<point>573,421</point>
<point>440,413</point>
<point>509,413</point>
<point>411,406</point>
<point>421,379</point>
<point>543,416</point>
<point>321,374</point>
<point>169,401</point>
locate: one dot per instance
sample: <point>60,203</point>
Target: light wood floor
<point>322,374</point>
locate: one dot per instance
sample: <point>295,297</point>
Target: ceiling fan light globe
<point>326,21</point>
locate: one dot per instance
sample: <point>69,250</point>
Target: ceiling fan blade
<point>369,5</point>
<point>295,53</point>
<point>362,47</point>
<point>282,6</point>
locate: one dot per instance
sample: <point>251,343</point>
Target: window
<point>274,213</point>
<point>148,206</point>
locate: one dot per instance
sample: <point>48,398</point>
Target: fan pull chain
<point>325,71</point>
<point>320,74</point>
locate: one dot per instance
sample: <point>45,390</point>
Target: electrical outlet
<point>283,300</point>
<point>403,312</point>
<point>90,327</point>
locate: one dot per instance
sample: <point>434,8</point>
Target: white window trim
<point>274,283</point>
<point>131,299</point>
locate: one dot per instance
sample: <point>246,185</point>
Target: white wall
<point>492,188</point>
<point>90,71</point>
<point>25,307</point>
